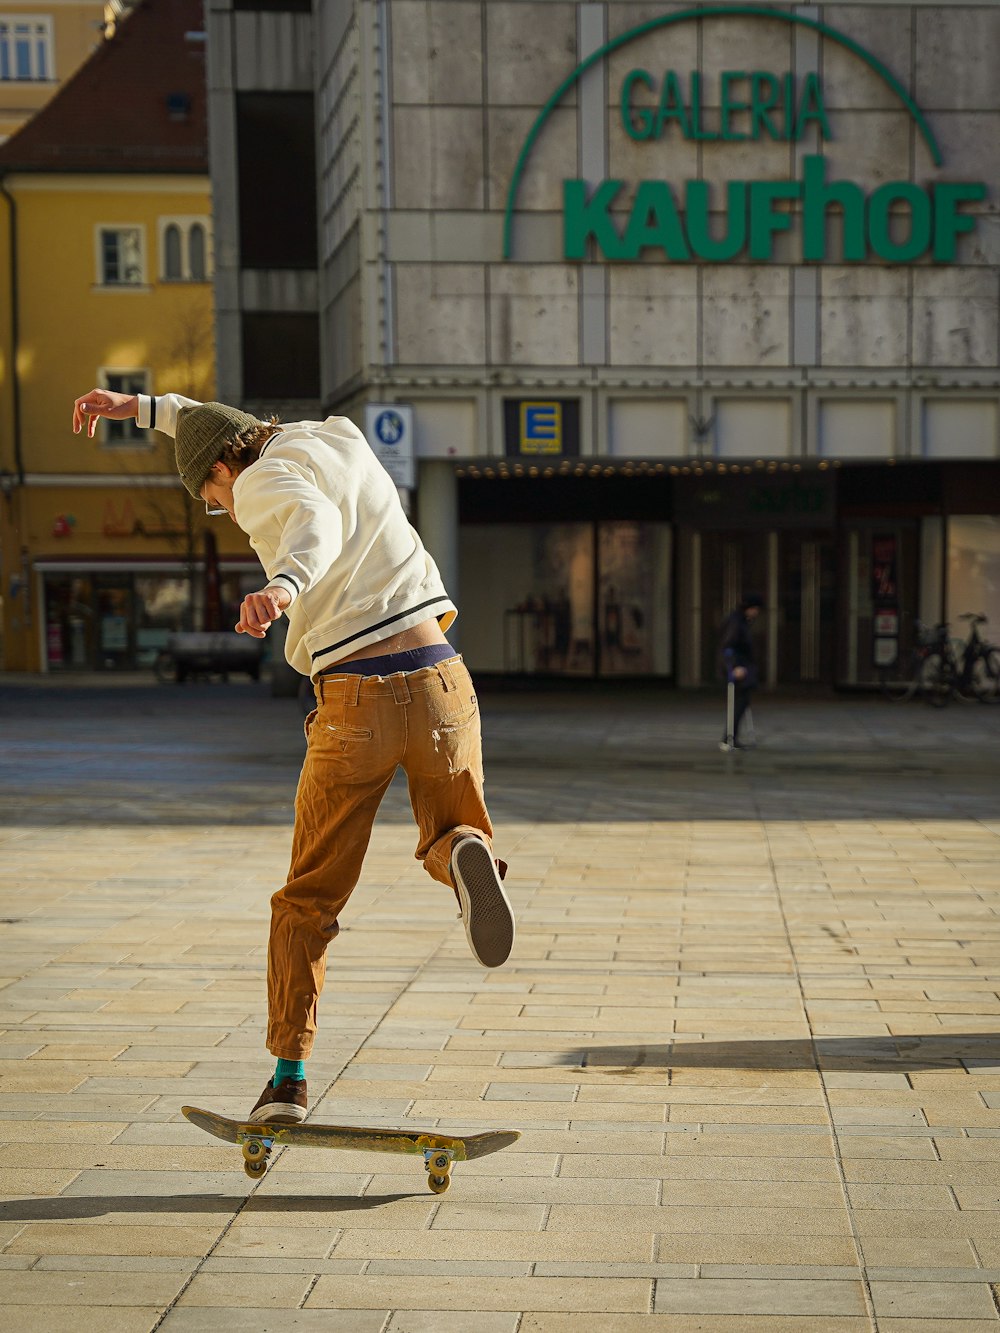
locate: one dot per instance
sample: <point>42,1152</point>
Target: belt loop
<point>400,689</point>
<point>352,689</point>
<point>447,674</point>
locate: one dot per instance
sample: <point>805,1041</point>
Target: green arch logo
<point>691,15</point>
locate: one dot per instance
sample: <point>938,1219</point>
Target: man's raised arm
<point>159,413</point>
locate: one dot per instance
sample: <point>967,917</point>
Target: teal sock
<point>288,1069</point>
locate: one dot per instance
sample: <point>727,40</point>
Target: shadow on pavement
<point>126,757</point>
<point>827,1054</point>
<point>68,1207</point>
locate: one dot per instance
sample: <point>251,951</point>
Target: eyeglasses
<point>214,511</point>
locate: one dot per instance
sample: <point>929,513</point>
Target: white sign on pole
<point>389,431</point>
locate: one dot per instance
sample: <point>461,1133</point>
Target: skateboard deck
<point>439,1151</point>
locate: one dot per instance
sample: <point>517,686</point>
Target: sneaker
<point>486,910</point>
<point>285,1104</point>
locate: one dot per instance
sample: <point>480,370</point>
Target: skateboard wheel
<point>254,1151</point>
<point>255,1169</point>
<point>439,1184</point>
<point>440,1162</point>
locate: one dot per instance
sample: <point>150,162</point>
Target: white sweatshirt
<point>325,520</point>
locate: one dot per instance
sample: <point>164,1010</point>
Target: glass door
<point>807,595</point>
<point>732,564</point>
<point>879,611</point>
<point>634,620</point>
<point>115,622</point>
<point>69,622</point>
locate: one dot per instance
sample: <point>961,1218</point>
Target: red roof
<point>136,105</point>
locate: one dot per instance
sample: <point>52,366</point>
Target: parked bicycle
<point>926,673</point>
<point>941,668</point>
<point>979,675</point>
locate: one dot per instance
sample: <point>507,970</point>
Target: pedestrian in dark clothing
<point>736,647</point>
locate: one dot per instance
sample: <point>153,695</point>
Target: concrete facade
<point>435,118</point>
<point>466,81</point>
<point>422,107</point>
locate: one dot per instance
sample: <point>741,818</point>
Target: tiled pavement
<point>749,1030</point>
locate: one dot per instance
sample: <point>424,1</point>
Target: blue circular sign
<point>389,427</point>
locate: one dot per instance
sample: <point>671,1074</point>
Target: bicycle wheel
<point>986,677</point>
<point>970,684</point>
<point>936,680</point>
<point>163,667</point>
<point>964,677</point>
<point>894,686</point>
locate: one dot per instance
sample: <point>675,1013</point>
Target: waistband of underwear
<point>414,659</point>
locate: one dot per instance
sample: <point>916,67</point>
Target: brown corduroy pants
<point>364,728</point>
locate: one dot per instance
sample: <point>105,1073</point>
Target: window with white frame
<point>185,249</point>
<point>173,253</point>
<point>197,252</point>
<point>26,48</point>
<point>120,259</point>
<point>119,434</point>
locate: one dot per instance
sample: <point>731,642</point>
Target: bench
<point>214,653</point>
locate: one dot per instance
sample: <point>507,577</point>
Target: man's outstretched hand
<point>102,403</point>
<point>261,609</point>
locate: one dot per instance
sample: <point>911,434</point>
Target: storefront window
<point>114,620</point>
<point>121,621</point>
<point>633,561</point>
<point>161,605</point>
<point>974,571</point>
<point>69,622</point>
<point>881,610</point>
<point>567,599</point>
<point>528,605</point>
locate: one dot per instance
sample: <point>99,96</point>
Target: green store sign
<point>899,222</point>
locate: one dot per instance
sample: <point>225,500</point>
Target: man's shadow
<point>69,1207</point>
<point>937,1050</point>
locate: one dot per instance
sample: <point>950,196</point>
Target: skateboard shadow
<point>939,1050</point>
<point>66,1208</point>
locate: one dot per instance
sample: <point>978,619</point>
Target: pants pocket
<point>454,722</point>
<point>345,733</point>
<point>454,742</point>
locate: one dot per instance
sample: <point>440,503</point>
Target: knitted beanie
<point>202,434</point>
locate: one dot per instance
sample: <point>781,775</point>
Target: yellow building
<point>41,46</point>
<point>106,247</point>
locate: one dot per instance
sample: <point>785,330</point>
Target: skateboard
<point>439,1151</point>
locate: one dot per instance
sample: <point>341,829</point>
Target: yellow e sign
<point>541,428</point>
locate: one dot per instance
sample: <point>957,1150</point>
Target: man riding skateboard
<point>367,611</point>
